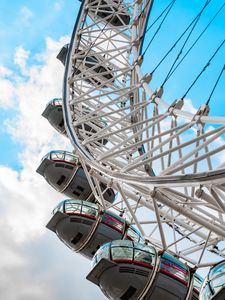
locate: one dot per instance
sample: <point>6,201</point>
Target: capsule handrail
<point>64,155</point>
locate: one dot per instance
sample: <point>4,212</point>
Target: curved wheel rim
<point>157,155</point>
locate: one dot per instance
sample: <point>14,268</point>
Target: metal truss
<point>167,164</point>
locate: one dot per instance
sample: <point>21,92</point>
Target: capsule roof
<point>112,12</point>
<point>82,207</point>
<point>129,270</point>
<point>99,72</point>
<point>57,155</point>
<point>54,114</point>
<point>63,54</point>
<point>63,171</point>
<point>84,227</point>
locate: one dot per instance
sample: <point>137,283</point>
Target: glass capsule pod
<point>83,227</point>
<point>63,54</point>
<point>63,171</point>
<point>96,70</point>
<point>54,114</point>
<point>128,270</point>
<point>91,127</point>
<point>214,284</point>
<point>111,11</point>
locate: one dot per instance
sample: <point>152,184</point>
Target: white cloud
<point>5,71</point>
<point>7,95</point>
<point>25,15</point>
<point>20,59</point>
<point>35,262</point>
<point>37,136</point>
<point>188,106</point>
<point>57,6</point>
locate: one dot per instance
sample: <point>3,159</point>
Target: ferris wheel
<point>141,162</point>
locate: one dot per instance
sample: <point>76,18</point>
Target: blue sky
<point>31,34</point>
<point>27,24</point>
<point>181,15</point>
<point>36,264</point>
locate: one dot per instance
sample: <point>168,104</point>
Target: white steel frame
<point>164,162</point>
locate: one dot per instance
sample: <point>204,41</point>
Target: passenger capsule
<point>130,271</point>
<point>96,70</point>
<point>94,63</point>
<point>63,171</point>
<point>63,54</point>
<point>111,11</point>
<point>54,114</point>
<point>214,284</point>
<point>88,128</point>
<point>83,227</point>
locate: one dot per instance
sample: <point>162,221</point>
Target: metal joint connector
<point>202,111</point>
<point>157,94</point>
<point>177,104</point>
<point>153,193</point>
<point>139,61</point>
<point>110,184</point>
<point>198,192</point>
<point>136,43</point>
<point>146,78</point>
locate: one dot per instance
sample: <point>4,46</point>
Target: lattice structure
<point>165,163</point>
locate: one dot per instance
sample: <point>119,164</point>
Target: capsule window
<point>76,193</point>
<point>93,252</point>
<point>61,124</point>
<point>69,167</point>
<point>80,188</point>
<point>59,165</point>
<point>109,192</point>
<point>77,238</point>
<point>129,293</point>
<point>143,256</point>
<point>122,253</point>
<point>61,180</point>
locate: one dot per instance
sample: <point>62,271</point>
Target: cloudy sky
<point>34,264</point>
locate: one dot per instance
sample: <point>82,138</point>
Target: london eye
<point>146,178</point>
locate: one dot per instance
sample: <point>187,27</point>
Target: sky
<point>34,264</point>
<point>182,13</point>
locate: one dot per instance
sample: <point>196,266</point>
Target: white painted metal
<point>166,163</point>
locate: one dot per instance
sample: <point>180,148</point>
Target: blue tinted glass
<point>122,243</point>
<point>113,221</point>
<point>103,252</point>
<point>133,234</point>
<point>205,293</point>
<point>197,282</point>
<point>56,101</point>
<point>144,257</point>
<point>174,267</point>
<point>71,158</point>
<point>57,155</point>
<point>220,268</point>
<point>73,206</point>
<point>122,253</point>
<point>59,207</point>
<point>218,282</point>
<point>90,211</point>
